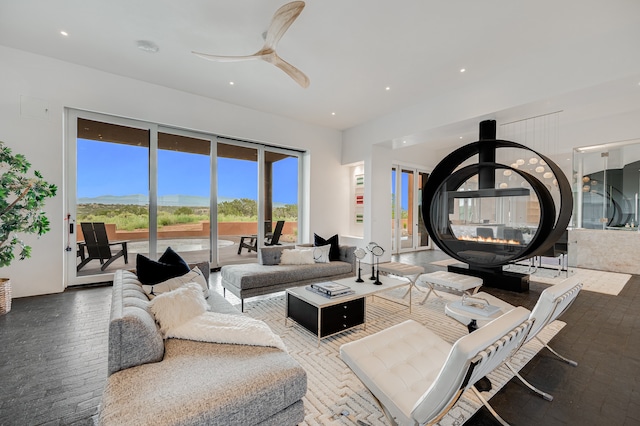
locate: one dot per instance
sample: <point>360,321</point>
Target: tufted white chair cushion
<point>415,374</point>
<point>546,309</point>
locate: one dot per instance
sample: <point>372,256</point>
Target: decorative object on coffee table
<point>370,246</point>
<point>360,253</point>
<point>376,252</point>
<point>22,198</point>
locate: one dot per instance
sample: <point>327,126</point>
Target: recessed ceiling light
<point>460,137</point>
<point>64,33</point>
<point>462,69</point>
<point>147,46</point>
<point>387,88</point>
<point>231,83</point>
<point>333,113</point>
<point>404,141</point>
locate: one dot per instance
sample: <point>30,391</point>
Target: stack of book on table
<point>330,289</point>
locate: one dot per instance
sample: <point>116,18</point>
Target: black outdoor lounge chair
<point>272,240</point>
<point>250,242</point>
<point>98,247</point>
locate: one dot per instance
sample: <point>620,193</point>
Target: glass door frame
<point>262,190</point>
<point>213,188</point>
<point>70,187</point>
<point>396,242</point>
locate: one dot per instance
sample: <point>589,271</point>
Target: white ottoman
<point>400,269</point>
<point>410,272</point>
<point>465,284</point>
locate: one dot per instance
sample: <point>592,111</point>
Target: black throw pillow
<point>169,265</point>
<point>334,253</point>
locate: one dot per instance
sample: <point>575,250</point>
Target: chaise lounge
<point>269,276</point>
<point>184,382</point>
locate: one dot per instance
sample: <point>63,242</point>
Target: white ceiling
<point>583,53</point>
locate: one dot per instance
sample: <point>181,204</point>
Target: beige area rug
<point>335,395</point>
<point>610,283</point>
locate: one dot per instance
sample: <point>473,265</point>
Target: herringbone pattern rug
<point>335,395</point>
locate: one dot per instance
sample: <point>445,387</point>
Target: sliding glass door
<point>109,214</point>
<point>184,195</point>
<point>237,209</point>
<point>408,232</point>
<point>139,188</point>
<point>281,196</point>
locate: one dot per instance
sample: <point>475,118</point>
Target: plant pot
<point>5,295</point>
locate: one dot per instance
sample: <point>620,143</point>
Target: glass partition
<point>606,180</point>
<point>184,188</point>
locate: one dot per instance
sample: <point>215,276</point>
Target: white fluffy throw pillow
<point>193,276</point>
<point>297,257</point>
<point>176,307</point>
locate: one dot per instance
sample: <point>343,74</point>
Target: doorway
<point>408,232</point>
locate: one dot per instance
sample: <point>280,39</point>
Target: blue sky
<point>117,169</point>
<point>404,188</point>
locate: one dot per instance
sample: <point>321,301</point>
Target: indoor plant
<point>22,197</point>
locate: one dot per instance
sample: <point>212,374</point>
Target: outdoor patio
<point>189,240</point>
<point>191,249</point>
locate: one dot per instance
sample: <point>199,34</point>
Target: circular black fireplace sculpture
<point>487,256</point>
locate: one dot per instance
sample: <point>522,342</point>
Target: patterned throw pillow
<point>193,276</point>
<point>321,253</point>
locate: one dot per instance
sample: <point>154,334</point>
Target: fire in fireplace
<point>489,240</point>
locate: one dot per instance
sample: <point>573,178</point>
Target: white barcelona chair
<point>553,301</point>
<point>417,377</point>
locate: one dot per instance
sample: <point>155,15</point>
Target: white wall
<point>46,86</point>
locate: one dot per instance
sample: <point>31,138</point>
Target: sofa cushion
<point>253,275</point>
<point>217,303</point>
<point>205,383</point>
<point>169,265</point>
<point>334,253</point>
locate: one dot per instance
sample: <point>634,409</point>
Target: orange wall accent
<point>193,230</point>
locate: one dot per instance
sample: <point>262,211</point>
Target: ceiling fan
<point>281,21</point>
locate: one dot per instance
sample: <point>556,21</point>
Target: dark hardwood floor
<point>53,359</point>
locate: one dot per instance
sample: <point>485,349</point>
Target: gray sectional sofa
<point>183,382</point>
<point>257,279</point>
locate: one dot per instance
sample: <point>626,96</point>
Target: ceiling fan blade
<point>293,72</point>
<point>218,58</point>
<point>281,21</point>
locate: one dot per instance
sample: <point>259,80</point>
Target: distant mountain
<point>137,199</point>
<point>163,200</point>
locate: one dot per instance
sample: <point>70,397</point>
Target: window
<point>156,187</point>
